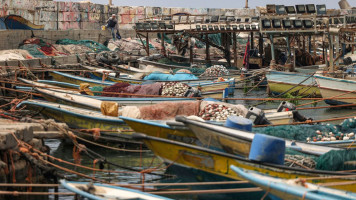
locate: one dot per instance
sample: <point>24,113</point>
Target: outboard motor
<point>297,117</point>
<point>191,92</point>
<point>286,104</point>
<point>259,114</point>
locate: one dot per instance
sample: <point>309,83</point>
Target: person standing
<point>113,25</point>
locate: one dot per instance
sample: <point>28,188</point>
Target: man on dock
<point>113,26</point>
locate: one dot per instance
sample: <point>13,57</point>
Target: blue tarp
<point>159,76</point>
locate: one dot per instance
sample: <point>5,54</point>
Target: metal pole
<point>147,45</point>
<point>207,48</point>
<point>337,49</point>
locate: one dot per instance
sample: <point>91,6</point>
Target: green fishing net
<point>94,46</point>
<point>33,49</point>
<point>97,89</point>
<point>337,160</point>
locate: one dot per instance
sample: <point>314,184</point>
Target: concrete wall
<point>74,15</point>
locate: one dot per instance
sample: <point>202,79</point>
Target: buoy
<point>239,123</point>
<point>268,149</point>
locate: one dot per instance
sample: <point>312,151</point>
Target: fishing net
<point>337,160</point>
<point>166,38</point>
<point>94,46</point>
<point>216,70</point>
<point>169,110</point>
<point>33,49</point>
<point>196,71</point>
<point>42,46</point>
<point>117,89</point>
<point>318,132</point>
<point>174,89</point>
<point>168,61</point>
<point>97,90</point>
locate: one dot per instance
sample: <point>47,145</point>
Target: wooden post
<point>288,48</point>
<point>303,43</point>
<point>246,4</point>
<point>272,49</point>
<point>309,44</point>
<point>337,49</point>
<point>207,50</point>
<point>190,51</point>
<point>235,48</point>
<point>260,45</point>
<point>353,45</point>
<point>331,54</point>
<point>163,48</point>
<point>252,42</point>
<point>147,45</point>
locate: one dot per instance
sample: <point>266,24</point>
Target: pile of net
<point>118,89</point>
<point>174,89</point>
<point>15,54</point>
<point>219,111</point>
<point>337,160</point>
<point>216,70</point>
<point>39,48</point>
<point>125,44</point>
<point>162,111</point>
<point>194,70</point>
<point>92,45</point>
<point>169,77</point>
<point>169,110</point>
<point>315,133</point>
<point>168,61</point>
<point>71,49</point>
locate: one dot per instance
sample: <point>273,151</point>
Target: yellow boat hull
<point>218,163</point>
<point>280,87</point>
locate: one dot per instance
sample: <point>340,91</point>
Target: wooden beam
<point>147,45</point>
<point>235,48</point>
<point>207,50</point>
<point>163,48</point>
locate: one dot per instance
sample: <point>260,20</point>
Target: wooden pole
<point>163,48</point>
<point>207,50</point>
<point>331,54</point>
<point>246,4</point>
<point>190,51</point>
<point>235,48</point>
<point>252,42</point>
<point>337,49</point>
<point>147,45</point>
<point>260,45</point>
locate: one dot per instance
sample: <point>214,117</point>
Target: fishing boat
<point>97,191</point>
<point>74,98</point>
<point>18,22</point>
<point>337,88</point>
<point>297,83</point>
<point>292,188</point>
<point>214,163</point>
<point>79,118</point>
<point>208,89</point>
<point>237,141</point>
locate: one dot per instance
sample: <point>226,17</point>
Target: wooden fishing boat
<point>96,191</point>
<point>79,118</point>
<point>239,142</point>
<point>279,82</point>
<point>18,22</point>
<point>216,163</point>
<point>70,97</point>
<point>292,189</point>
<point>208,89</point>
<point>337,87</point>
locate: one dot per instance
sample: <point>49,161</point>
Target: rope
<point>112,148</point>
<point>17,193</point>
